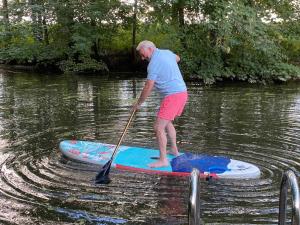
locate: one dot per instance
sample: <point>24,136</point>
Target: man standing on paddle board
<point>165,76</point>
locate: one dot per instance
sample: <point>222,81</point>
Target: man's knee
<point>160,126</point>
<point>158,129</point>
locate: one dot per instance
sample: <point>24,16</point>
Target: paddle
<point>102,177</point>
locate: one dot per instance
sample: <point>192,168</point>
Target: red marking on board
<point>182,174</point>
<point>74,151</point>
<point>102,153</point>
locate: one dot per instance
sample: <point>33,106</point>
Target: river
<point>255,123</point>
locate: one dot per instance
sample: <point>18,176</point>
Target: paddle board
<point>137,159</point>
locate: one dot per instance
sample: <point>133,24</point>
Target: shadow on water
<point>257,124</point>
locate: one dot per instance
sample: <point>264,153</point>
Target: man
<point>165,76</point>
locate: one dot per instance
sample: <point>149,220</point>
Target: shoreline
<point>131,74</point>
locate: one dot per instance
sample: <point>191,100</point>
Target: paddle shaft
<point>102,176</point>
<point>123,134</point>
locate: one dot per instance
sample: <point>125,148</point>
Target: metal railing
<point>289,178</point>
<point>194,200</point>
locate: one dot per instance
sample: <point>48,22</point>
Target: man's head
<point>145,49</point>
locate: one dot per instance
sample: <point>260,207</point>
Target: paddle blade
<point>102,177</point>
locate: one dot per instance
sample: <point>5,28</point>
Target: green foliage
<point>17,45</point>
<point>288,36</point>
<point>19,53</point>
<point>120,41</point>
<point>84,64</point>
<point>216,40</point>
<point>82,38</point>
<point>285,72</point>
<point>292,47</point>
<point>162,34</point>
<point>235,44</point>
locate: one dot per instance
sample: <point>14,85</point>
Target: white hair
<point>145,44</point>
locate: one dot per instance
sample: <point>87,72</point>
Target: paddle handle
<point>123,134</point>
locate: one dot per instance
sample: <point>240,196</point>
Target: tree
<point>5,12</point>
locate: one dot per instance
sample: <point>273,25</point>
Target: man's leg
<point>160,131</point>
<point>172,134</point>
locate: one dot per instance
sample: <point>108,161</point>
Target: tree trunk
<point>5,12</point>
<point>45,31</point>
<point>65,18</point>
<point>36,18</point>
<point>133,51</point>
<point>178,13</point>
<point>181,13</point>
<point>178,18</point>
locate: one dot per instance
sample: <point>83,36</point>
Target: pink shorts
<point>172,106</point>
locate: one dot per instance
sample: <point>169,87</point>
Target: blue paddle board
<point>137,159</point>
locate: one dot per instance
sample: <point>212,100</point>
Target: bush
<point>85,64</point>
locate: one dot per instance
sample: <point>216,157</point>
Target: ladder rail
<point>289,179</point>
<point>194,198</point>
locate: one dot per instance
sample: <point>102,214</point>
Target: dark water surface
<point>257,124</point>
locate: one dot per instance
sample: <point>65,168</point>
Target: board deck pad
<point>138,159</point>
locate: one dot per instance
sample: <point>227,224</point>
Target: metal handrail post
<point>289,178</point>
<point>194,198</point>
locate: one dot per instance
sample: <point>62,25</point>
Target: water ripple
<point>38,185</point>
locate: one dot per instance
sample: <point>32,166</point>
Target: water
<point>253,123</point>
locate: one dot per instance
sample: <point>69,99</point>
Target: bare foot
<point>159,163</point>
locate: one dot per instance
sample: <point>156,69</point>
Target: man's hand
<point>145,93</point>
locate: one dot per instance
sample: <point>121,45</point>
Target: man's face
<point>145,53</point>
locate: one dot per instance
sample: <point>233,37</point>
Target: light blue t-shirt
<point>164,70</point>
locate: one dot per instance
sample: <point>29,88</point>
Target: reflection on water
<point>257,124</point>
<point>77,215</point>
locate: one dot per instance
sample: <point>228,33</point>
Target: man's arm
<point>177,58</point>
<point>145,92</point>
